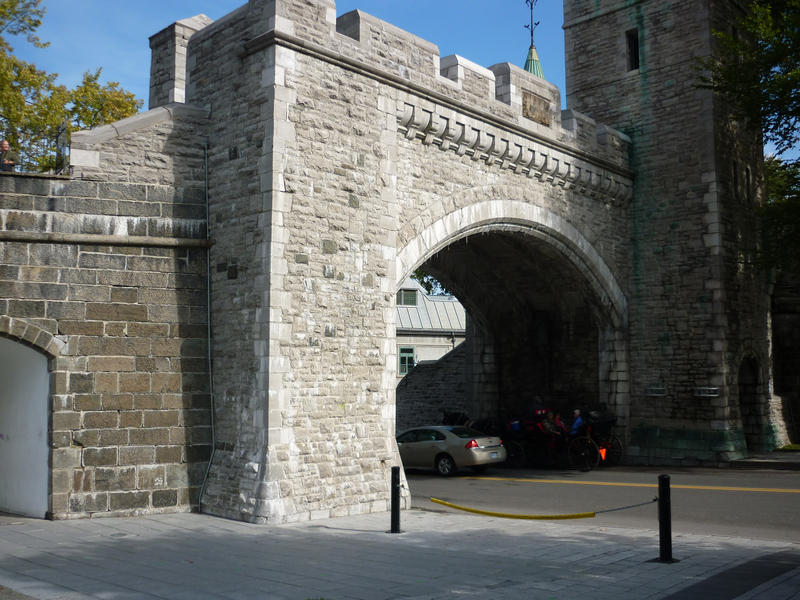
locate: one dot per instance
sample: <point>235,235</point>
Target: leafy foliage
<point>781,215</point>
<point>758,71</point>
<point>432,285</point>
<point>36,113</point>
<point>18,17</point>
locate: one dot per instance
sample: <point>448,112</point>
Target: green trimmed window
<point>406,355</point>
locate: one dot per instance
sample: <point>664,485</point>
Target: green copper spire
<point>532,64</point>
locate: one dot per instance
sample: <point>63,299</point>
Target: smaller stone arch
<point>31,335</point>
<point>28,355</point>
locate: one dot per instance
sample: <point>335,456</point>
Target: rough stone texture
<point>168,63</point>
<point>431,389</point>
<point>699,307</point>
<point>335,157</point>
<point>354,153</point>
<point>107,277</point>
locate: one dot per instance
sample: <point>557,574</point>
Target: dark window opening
<point>748,184</point>
<point>632,38</point>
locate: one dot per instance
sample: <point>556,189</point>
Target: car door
<point>420,449</point>
<point>406,444</point>
<point>429,444</point>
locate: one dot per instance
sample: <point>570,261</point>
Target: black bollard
<point>664,519</point>
<point>395,500</point>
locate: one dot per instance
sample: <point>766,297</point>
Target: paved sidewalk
<point>439,555</point>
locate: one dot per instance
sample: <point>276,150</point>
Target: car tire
<point>444,465</point>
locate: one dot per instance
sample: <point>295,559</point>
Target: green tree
<point>781,215</point>
<point>36,113</point>
<point>757,73</point>
<point>20,17</point>
<point>758,70</point>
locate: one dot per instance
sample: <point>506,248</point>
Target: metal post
<point>664,519</point>
<point>395,500</point>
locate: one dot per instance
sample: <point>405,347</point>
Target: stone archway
<point>492,215</point>
<point>534,235</point>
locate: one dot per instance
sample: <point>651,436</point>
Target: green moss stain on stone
<point>660,443</point>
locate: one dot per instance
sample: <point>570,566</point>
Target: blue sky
<point>113,34</point>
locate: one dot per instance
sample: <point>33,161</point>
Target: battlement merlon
<point>504,94</point>
<point>168,60</point>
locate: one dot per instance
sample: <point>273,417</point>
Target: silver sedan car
<point>446,448</point>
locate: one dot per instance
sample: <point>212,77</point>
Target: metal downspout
<point>208,334</point>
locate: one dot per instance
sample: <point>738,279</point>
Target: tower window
<point>632,38</point>
<point>748,184</point>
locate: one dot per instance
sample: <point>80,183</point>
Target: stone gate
<point>214,284</point>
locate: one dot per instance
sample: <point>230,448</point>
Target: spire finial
<point>532,63</point>
<point>533,24</point>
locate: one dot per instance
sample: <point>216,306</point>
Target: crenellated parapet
<point>501,114</point>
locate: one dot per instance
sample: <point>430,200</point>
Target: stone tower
<point>699,307</point>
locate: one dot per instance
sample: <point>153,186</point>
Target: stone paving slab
<point>439,555</point>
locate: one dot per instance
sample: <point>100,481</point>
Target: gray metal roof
<point>432,313</point>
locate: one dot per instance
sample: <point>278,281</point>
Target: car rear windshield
<point>466,432</point>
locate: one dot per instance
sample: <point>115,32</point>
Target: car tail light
<point>471,444</point>
<point>501,441</point>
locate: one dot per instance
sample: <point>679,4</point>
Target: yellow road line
<point>587,515</point>
<point>723,488</point>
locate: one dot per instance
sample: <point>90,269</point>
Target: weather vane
<point>533,24</point>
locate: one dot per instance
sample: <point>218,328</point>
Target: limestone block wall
<point>698,306</point>
<point>168,60</point>
<point>341,157</point>
<point>105,272</point>
<point>432,388</point>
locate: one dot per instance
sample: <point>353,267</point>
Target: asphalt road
<point>753,504</point>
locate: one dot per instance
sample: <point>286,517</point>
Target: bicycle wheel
<point>515,455</point>
<point>613,447</point>
<point>583,454</point>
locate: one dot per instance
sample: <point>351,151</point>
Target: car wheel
<point>445,465</point>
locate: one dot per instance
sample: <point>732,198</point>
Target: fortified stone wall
<point>105,273</point>
<point>698,307</point>
<point>330,158</point>
<point>350,157</point>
